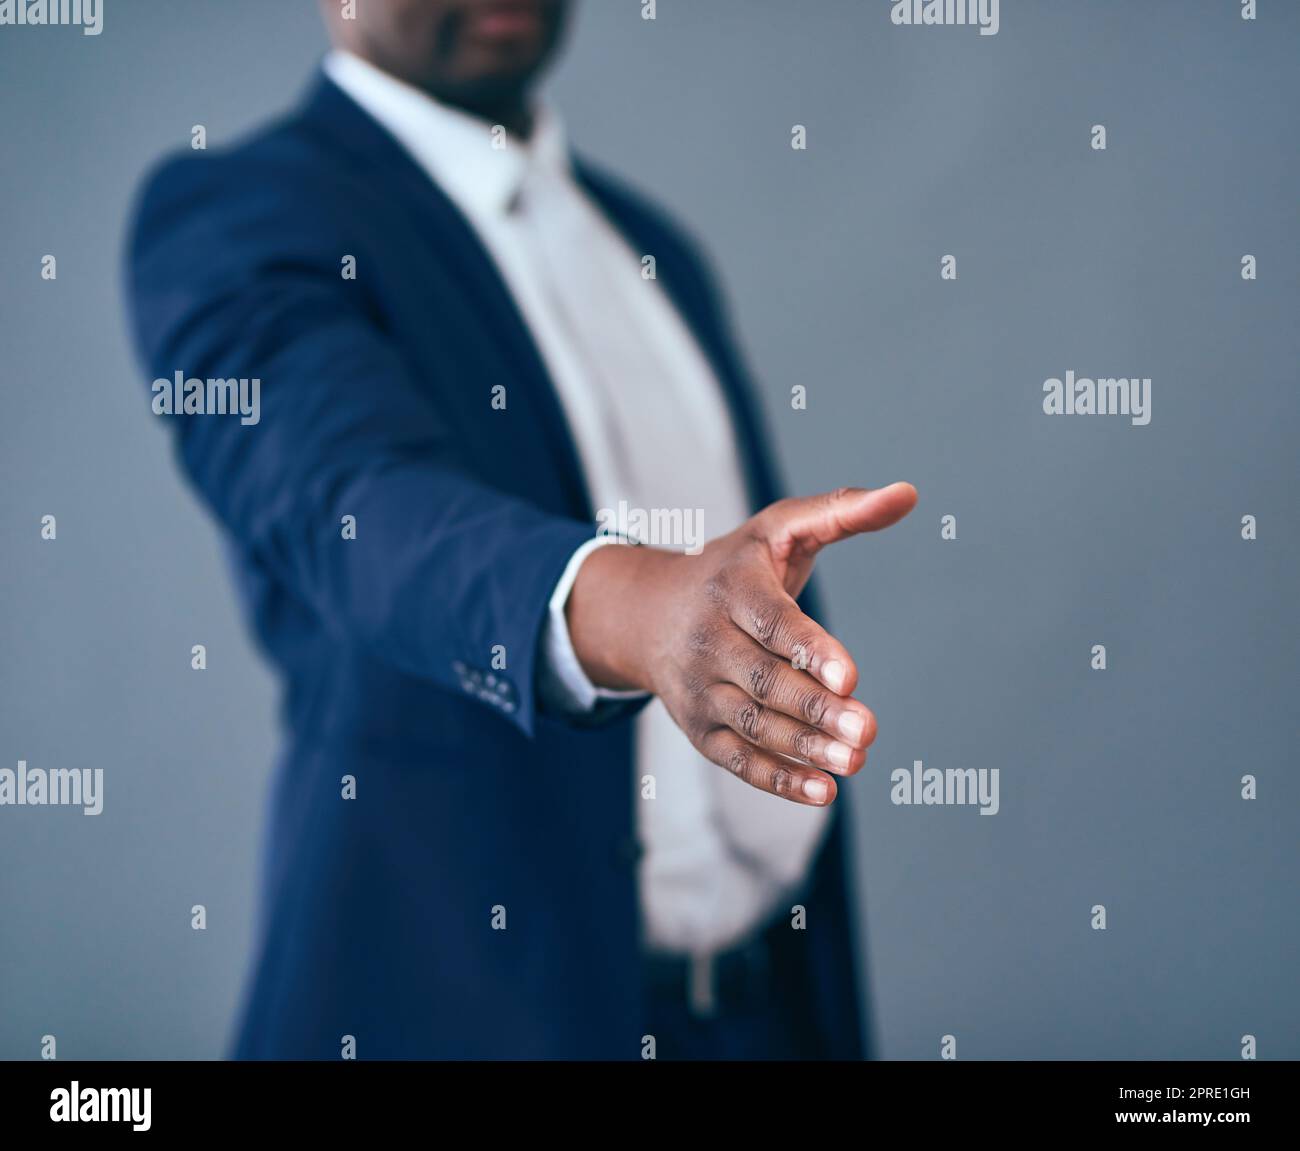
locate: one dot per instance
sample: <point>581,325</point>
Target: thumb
<point>809,523</point>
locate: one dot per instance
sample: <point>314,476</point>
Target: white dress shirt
<point>652,428</point>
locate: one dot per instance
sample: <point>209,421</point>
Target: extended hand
<point>758,687</point>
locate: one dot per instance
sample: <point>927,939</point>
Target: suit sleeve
<point>232,276</point>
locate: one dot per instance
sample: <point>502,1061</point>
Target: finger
<point>810,523</point>
<point>775,684</point>
<point>777,732</point>
<point>774,619</point>
<point>793,781</point>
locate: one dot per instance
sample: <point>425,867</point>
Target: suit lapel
<point>678,273</point>
<point>332,112</point>
<point>328,111</point>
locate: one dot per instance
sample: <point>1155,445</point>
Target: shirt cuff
<point>562,683</point>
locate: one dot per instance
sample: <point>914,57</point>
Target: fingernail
<point>816,789</point>
<point>833,675</point>
<point>839,754</point>
<point>852,725</point>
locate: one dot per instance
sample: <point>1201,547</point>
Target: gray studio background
<point>1119,787</point>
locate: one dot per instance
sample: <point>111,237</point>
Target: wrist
<point>619,595</point>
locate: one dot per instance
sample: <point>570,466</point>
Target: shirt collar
<point>453,147</point>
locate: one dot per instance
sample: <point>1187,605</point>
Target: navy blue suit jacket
<point>375,404</point>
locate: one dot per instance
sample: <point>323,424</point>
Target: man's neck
<point>513,112</point>
<point>515,117</point>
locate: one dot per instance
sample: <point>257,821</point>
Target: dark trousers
<point>750,1005</point>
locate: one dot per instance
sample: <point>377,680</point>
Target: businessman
<point>544,793</point>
